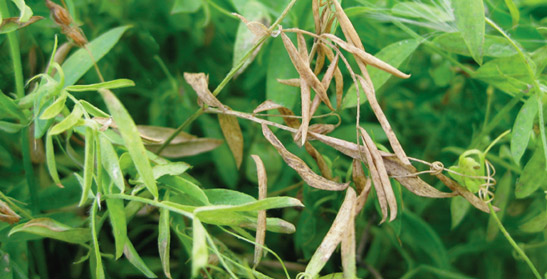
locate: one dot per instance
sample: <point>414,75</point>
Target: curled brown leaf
<point>261,221</point>
<point>232,134</point>
<point>199,82</point>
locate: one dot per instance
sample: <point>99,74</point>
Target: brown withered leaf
<point>322,128</point>
<point>347,26</point>
<point>232,134</point>
<point>348,247</point>
<point>257,28</point>
<point>316,16</point>
<point>305,94</point>
<point>362,184</point>
<point>300,166</point>
<point>304,70</point>
<point>321,163</point>
<point>266,105</point>
<point>261,221</point>
<point>379,163</point>
<point>12,23</point>
<point>199,82</point>
<point>470,197</point>
<point>7,214</point>
<point>294,82</point>
<point>320,60</point>
<point>334,236</point>
<point>338,78</point>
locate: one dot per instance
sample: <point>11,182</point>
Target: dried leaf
<point>7,214</point>
<point>300,166</point>
<point>348,248</point>
<point>232,134</point>
<point>304,70</point>
<point>305,94</point>
<point>474,200</point>
<point>362,184</point>
<point>338,78</point>
<point>320,61</point>
<point>334,235</point>
<point>199,82</point>
<point>261,221</point>
<point>257,28</point>
<point>267,105</point>
<point>316,16</point>
<point>322,128</point>
<point>321,163</point>
<point>13,23</point>
<point>294,82</point>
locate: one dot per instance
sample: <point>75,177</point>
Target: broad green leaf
<point>55,108</point>
<point>133,257</point>
<point>164,238</point>
<point>50,161</point>
<point>494,46</point>
<point>8,108</point>
<point>503,192</point>
<point>522,128</point>
<point>394,54</point>
<point>99,269</point>
<point>533,175</point>
<point>185,186</point>
<point>116,214</point>
<point>245,39</point>
<point>186,6</point>
<point>80,62</point>
<point>171,168</point>
<point>25,13</point>
<point>535,224</point>
<point>110,162</point>
<point>132,139</point>
<point>423,11</point>
<point>508,74</point>
<point>93,110</point>
<point>69,121</point>
<point>280,67</point>
<point>514,11</point>
<point>50,228</point>
<point>89,164</point>
<point>458,209</point>
<point>200,255</point>
<point>112,84</point>
<point>471,23</point>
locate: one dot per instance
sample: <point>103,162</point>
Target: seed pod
<point>59,14</point>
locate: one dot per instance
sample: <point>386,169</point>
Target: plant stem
<point>227,78</point>
<point>513,243</point>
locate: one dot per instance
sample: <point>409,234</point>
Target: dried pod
<point>59,14</point>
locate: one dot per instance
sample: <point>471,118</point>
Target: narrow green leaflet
<point>200,254</point>
<point>533,175</point>
<point>89,160</point>
<point>503,192</point>
<point>50,228</point>
<point>514,11</point>
<point>99,269</point>
<point>80,62</point>
<point>112,84</point>
<point>471,24</point>
<point>24,11</point>
<point>171,168</point>
<point>458,209</point>
<point>535,224</point>
<point>111,163</point>
<point>69,122</point>
<point>132,139</point>
<point>522,128</point>
<point>55,108</point>
<point>394,54</point>
<point>136,260</point>
<point>186,6</point>
<point>164,238</point>
<point>227,197</point>
<point>10,128</point>
<point>50,161</point>
<point>116,214</point>
<point>185,186</point>
<point>8,108</point>
<point>93,110</point>
<point>218,212</point>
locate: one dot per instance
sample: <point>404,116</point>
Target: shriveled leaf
<point>261,221</point>
<point>294,82</point>
<point>7,214</point>
<point>232,134</point>
<point>132,139</point>
<point>522,128</point>
<point>67,123</point>
<point>112,84</point>
<point>199,82</point>
<point>470,197</point>
<point>334,236</point>
<point>50,228</point>
<point>300,166</point>
<point>348,247</point>
<point>13,23</point>
<point>471,24</point>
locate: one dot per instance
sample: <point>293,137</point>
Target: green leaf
<point>164,238</point>
<point>55,108</point>
<point>69,122</point>
<point>50,161</point>
<point>171,168</point>
<point>11,128</point>
<point>112,84</point>
<point>186,6</point>
<point>110,162</point>
<point>200,254</point>
<point>508,74</point>
<point>132,139</point>
<point>6,266</point>
<point>227,197</point>
<point>80,62</point>
<point>8,108</point>
<point>185,186</point>
<point>494,46</point>
<point>533,175</point>
<point>93,110</point>
<point>99,269</point>
<point>471,24</point>
<point>116,214</point>
<point>535,224</point>
<point>210,213</point>
<point>50,228</point>
<point>458,209</point>
<point>136,260</point>
<point>423,11</point>
<point>503,192</point>
<point>522,128</point>
<point>514,11</point>
<point>394,54</point>
<point>280,67</point>
<point>24,11</point>
<point>11,24</point>
<point>89,163</point>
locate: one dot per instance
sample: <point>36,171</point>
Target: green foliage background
<point>458,98</point>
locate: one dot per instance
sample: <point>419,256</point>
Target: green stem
<point>513,243</point>
<point>228,77</point>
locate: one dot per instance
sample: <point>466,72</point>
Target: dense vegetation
<point>262,139</point>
